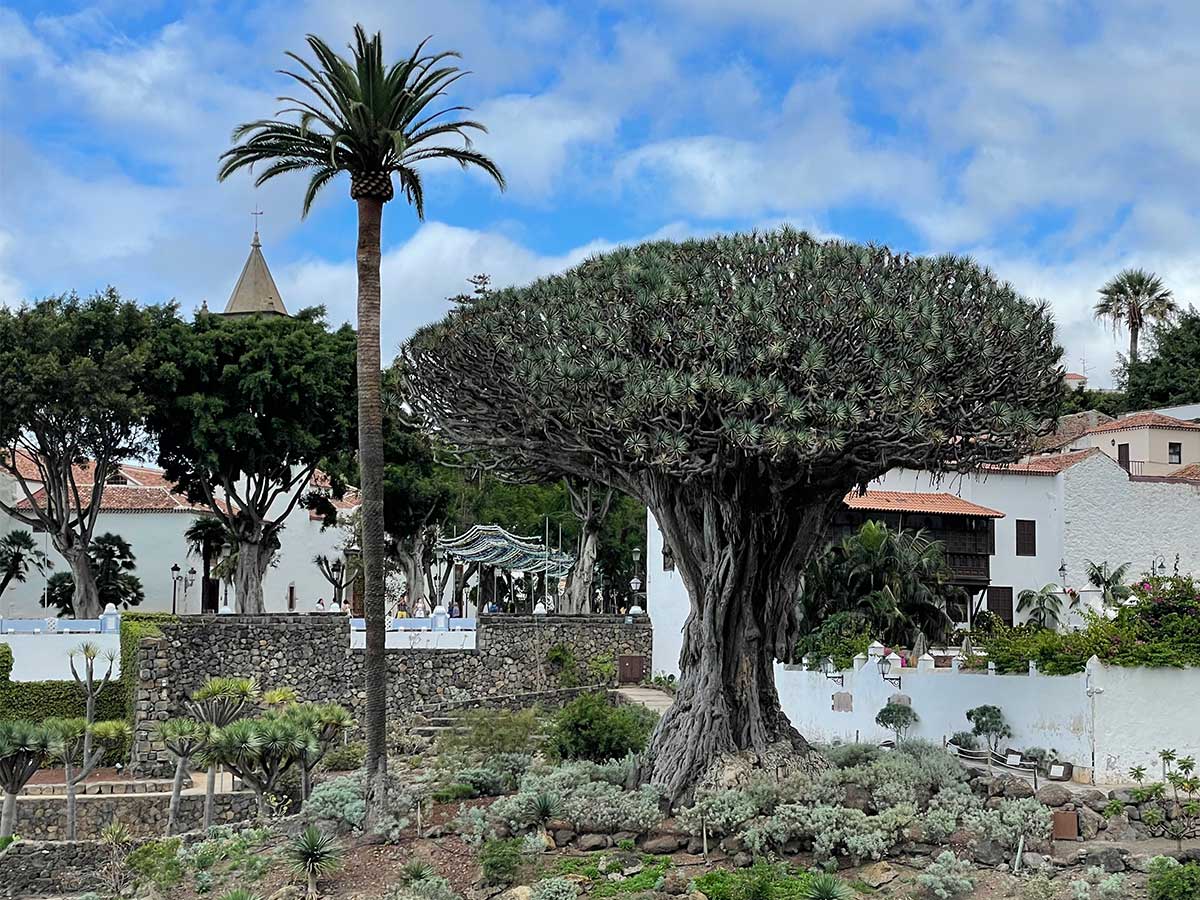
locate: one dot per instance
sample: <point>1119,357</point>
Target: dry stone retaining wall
<point>145,815</point>
<point>311,653</point>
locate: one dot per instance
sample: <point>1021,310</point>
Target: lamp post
<point>829,667</point>
<point>175,579</point>
<point>337,568</point>
<point>1062,573</point>
<point>885,666</point>
<point>1158,566</point>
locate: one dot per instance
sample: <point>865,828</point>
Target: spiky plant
<point>824,886</point>
<point>415,871</point>
<point>1133,298</point>
<point>327,722</point>
<point>184,738</point>
<point>740,386</point>
<point>240,894</point>
<point>1111,582</point>
<point>23,748</point>
<point>544,807</point>
<point>278,698</point>
<point>81,746</point>
<point>373,121</point>
<point>259,751</point>
<point>313,854</point>
<point>1043,605</point>
<point>216,703</point>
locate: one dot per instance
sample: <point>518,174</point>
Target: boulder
<point>1094,800</point>
<point>517,892</point>
<point>1053,795</point>
<point>1110,859</point>
<point>1119,829</point>
<point>676,882</point>
<point>989,853</point>
<point>878,874</point>
<point>733,844</point>
<point>743,860</point>
<point>662,844</point>
<point>696,846</point>
<point>563,836</point>
<point>858,797</point>
<point>1036,862</point>
<point>1090,823</point>
<point>1017,788</point>
<point>592,842</point>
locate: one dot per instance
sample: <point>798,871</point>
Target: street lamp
<point>1158,566</point>
<point>337,568</point>
<point>829,667</point>
<point>1062,573</point>
<point>175,579</point>
<point>885,666</point>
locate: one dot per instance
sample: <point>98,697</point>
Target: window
<point>1000,602</point>
<point>291,597</point>
<point>1026,537</point>
<point>1174,453</point>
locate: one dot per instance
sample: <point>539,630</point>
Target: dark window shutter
<point>1000,602</point>
<point>1026,537</point>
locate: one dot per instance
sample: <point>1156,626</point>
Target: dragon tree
<point>740,386</point>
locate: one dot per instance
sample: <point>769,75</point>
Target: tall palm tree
<point>1132,299</point>
<point>1111,582</point>
<point>371,121</point>
<point>1044,605</point>
<point>205,537</point>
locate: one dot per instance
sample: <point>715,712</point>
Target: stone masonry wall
<point>45,817</point>
<point>311,653</point>
<point>40,868</point>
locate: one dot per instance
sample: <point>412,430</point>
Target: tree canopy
<point>1170,374</point>
<point>248,408</point>
<point>74,373</point>
<point>739,386</point>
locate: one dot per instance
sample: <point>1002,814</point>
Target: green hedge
<point>134,627</point>
<point>6,662</point>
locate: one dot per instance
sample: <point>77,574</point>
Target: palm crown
<point>1132,298</point>
<point>364,118</point>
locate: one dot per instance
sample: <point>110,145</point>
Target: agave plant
<point>313,854</point>
<point>824,886</point>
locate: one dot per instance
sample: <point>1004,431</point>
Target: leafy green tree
<point>1043,605</point>
<point>1170,376</point>
<point>246,410</point>
<point>372,121</point>
<point>73,407</point>
<point>113,565</point>
<point>897,718</point>
<point>740,386</point>
<point>1112,582</point>
<point>896,582</point>
<point>1132,299</point>
<point>1111,403</point>
<point>19,553</point>
<point>987,722</point>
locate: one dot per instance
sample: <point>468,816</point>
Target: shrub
<point>947,877</point>
<point>1112,887</point>
<point>722,812</point>
<point>839,637</point>
<point>554,889</point>
<point>487,732</point>
<point>500,861</point>
<point>762,881</point>
<point>605,808</point>
<point>339,800</point>
<point>988,723</point>
<point>344,757</point>
<point>591,728</point>
<point>157,862</point>
<point>1009,821</point>
<point>1038,887</point>
<point>451,792</point>
<point>965,739</point>
<point>1175,882</point>
<point>897,718</point>
<point>1173,804</point>
<point>829,830</point>
<point>426,887</point>
<point>846,756</point>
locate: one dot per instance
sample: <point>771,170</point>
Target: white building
<point>1147,443</point>
<point>1060,511</point>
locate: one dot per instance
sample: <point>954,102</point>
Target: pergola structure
<point>491,547</point>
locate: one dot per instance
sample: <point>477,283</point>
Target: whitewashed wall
<point>1049,712</point>
<point>1139,712</point>
<point>46,657</point>
<point>667,603</point>
<point>1109,517</point>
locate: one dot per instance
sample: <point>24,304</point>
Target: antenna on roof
<point>256,213</point>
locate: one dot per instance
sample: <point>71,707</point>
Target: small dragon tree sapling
<point>259,751</point>
<point>217,703</point>
<point>1174,802</point>
<point>184,738</point>
<point>327,722</point>
<point>988,723</point>
<point>81,745</point>
<point>897,718</point>
<point>89,653</point>
<point>23,748</point>
<point>313,853</point>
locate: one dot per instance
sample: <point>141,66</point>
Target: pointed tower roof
<point>255,293</point>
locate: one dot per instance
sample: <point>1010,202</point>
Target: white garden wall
<point>46,657</point>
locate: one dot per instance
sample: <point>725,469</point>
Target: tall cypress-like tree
<point>740,386</point>
<point>373,121</point>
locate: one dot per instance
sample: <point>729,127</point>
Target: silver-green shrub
<point>1009,821</point>
<point>947,877</point>
<point>554,889</point>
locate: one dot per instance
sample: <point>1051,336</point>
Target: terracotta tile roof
<point>351,499</point>
<point>1075,376</point>
<point>26,468</point>
<point>1050,464</point>
<point>1189,472</point>
<point>1145,420</point>
<point>143,490</point>
<point>915,502</point>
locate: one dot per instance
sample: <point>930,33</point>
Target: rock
<point>591,842</point>
<point>620,836</point>
<point>695,846</point>
<point>290,892</point>
<point>1094,800</point>
<point>858,797</point>
<point>1110,859</point>
<point>1018,788</point>
<point>1138,862</point>
<point>1035,862</point>
<point>733,844</point>
<point>1119,829</point>
<point>989,853</point>
<point>676,882</point>
<point>743,860</point>
<point>998,787</point>
<point>697,895</point>
<point>517,892</point>
<point>961,837</point>
<point>563,836</point>
<point>661,844</point>
<point>1053,795</point>
<point>878,874</point>
<point>1090,823</point>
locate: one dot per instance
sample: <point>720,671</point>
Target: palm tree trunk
<point>1133,343</point>
<point>370,462</point>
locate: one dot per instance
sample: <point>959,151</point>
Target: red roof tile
<point>134,498</point>
<point>1145,420</point>
<point>915,502</point>
<point>26,468</point>
<point>1075,376</point>
<point>1050,464</point>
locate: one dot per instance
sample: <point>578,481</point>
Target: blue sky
<point>1055,140</point>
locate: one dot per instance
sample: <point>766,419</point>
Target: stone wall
<point>39,868</point>
<point>45,817</point>
<point>312,654</point>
